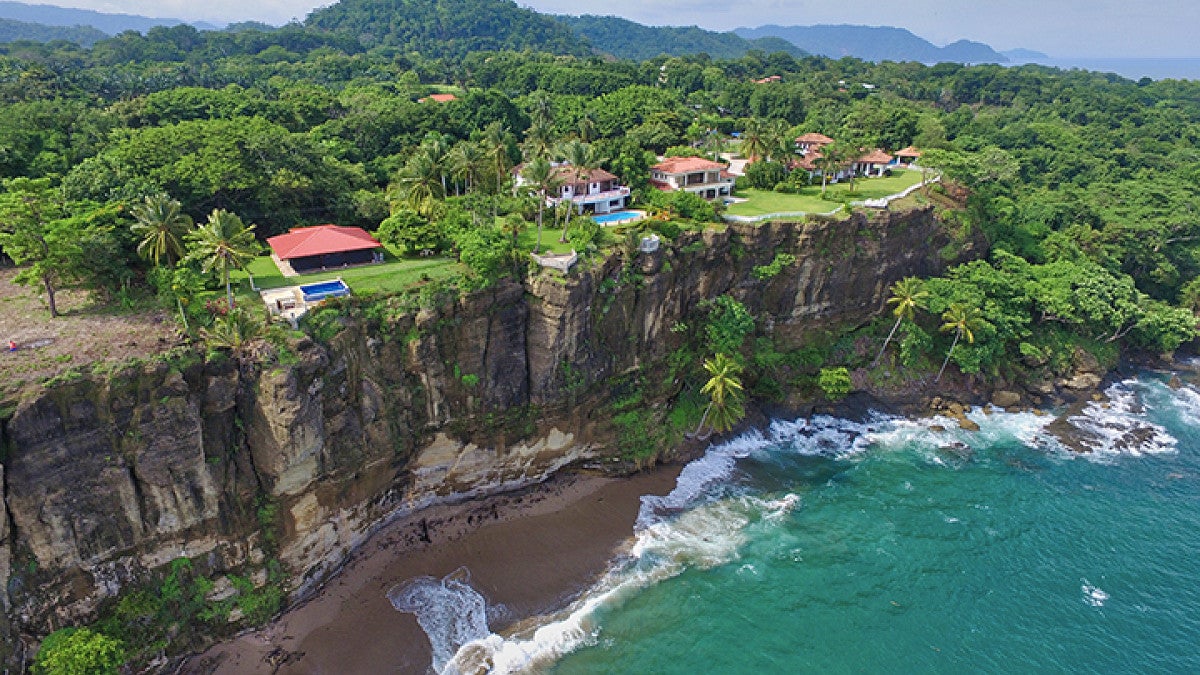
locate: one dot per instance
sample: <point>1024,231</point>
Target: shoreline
<point>529,553</point>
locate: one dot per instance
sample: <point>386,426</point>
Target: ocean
<point>828,545</point>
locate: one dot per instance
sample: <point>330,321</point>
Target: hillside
<point>875,43</point>
<point>12,31</point>
<point>441,28</point>
<point>110,24</point>
<point>628,40</point>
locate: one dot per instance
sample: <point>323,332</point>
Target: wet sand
<point>531,552</point>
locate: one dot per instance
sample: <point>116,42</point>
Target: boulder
<point>1002,398</point>
<point>1081,382</point>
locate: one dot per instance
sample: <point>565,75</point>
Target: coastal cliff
<point>275,471</point>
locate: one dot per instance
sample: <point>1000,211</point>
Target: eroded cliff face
<point>106,478</point>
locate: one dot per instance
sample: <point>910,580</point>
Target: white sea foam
<point>1092,595</point>
<point>1119,426</point>
<point>449,610</point>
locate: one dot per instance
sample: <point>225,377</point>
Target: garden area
<point>393,275</point>
<point>809,200</point>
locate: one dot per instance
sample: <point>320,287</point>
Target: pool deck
<point>288,302</point>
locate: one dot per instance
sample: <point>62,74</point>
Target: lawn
<point>395,274</point>
<point>550,235</point>
<point>808,200</point>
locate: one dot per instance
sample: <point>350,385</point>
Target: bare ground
<point>85,333</point>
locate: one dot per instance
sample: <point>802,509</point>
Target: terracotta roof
<point>438,98</point>
<point>809,162</point>
<point>769,79</point>
<point>686,165</point>
<point>814,138</point>
<point>875,157</point>
<point>662,185</point>
<point>910,151</point>
<point>302,242</point>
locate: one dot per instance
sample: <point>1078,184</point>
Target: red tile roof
<point>662,185</point>
<point>810,137</point>
<point>875,157</point>
<point>438,98</point>
<point>769,79</point>
<point>910,151</point>
<point>686,165</point>
<point>302,242</point>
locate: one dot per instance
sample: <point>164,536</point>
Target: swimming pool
<point>616,217</point>
<point>324,289</point>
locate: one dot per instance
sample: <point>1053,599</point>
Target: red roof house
<point>704,177</point>
<point>907,155</point>
<point>326,246</point>
<point>811,141</point>
<point>438,98</point>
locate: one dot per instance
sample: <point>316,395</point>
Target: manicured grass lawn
<point>808,200</point>
<point>394,275</point>
<point>550,235</point>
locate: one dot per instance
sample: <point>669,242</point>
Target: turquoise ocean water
<point>894,545</point>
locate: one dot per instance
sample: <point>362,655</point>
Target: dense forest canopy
<point>1073,174</point>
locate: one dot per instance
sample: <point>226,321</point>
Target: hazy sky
<point>1158,28</point>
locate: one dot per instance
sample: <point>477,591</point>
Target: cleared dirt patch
<point>86,332</point>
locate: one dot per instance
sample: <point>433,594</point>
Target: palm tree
<point>543,179</point>
<point>587,127</point>
<point>964,321</point>
<point>724,389</point>
<point>753,140</point>
<point>541,107</point>
<point>539,138</point>
<point>467,160</point>
<point>419,182</point>
<point>161,226</point>
<point>234,331</point>
<point>495,143</point>
<point>583,159</point>
<point>908,295</point>
<point>833,157</point>
<point>222,243</point>
<point>776,139</point>
<point>437,145</point>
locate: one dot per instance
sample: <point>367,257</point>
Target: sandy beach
<point>531,552</point>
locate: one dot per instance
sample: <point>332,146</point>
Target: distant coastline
<point>1132,68</point>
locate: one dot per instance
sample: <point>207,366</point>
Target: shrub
<point>412,232</point>
<point>835,382</point>
<point>72,651</point>
<point>765,175</point>
<point>729,322</point>
<point>776,266</point>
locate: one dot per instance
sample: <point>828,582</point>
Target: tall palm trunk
<point>228,287</point>
<point>957,335</point>
<point>885,342</point>
<point>537,246</point>
<point>703,419</point>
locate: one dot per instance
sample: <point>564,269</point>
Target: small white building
<point>598,191</point>
<point>697,175</point>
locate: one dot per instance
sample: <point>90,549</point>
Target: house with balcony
<point>811,142</point>
<point>598,191</point>
<point>697,175</point>
<point>874,163</point>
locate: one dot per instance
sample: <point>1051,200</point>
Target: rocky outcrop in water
<point>107,477</point>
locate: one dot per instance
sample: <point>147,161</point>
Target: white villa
<point>597,192</point>
<point>874,163</point>
<point>700,176</point>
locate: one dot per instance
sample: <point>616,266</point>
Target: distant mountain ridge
<point>110,24</point>
<point>12,31</point>
<point>626,39</point>
<point>875,43</point>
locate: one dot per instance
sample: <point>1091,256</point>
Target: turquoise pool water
<point>324,289</point>
<point>616,217</point>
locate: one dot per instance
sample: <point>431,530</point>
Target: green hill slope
<point>628,40</point>
<point>441,28</point>
<point>12,31</point>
